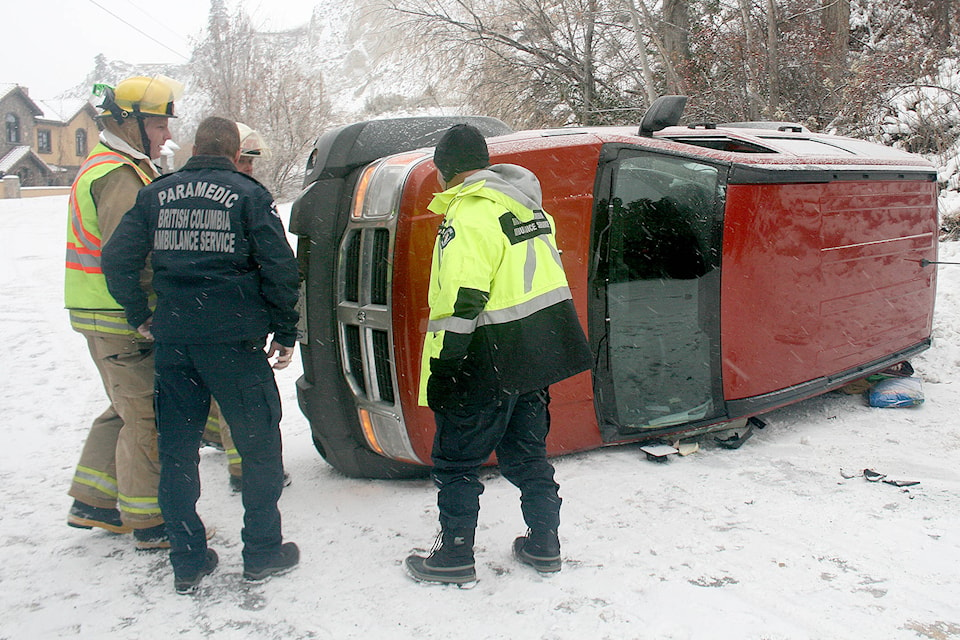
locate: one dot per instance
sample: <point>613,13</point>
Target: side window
<point>13,128</point>
<point>43,141</point>
<point>662,219</point>
<point>81,140</point>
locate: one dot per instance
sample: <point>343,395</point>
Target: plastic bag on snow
<point>897,392</point>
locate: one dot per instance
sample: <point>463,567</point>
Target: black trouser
<point>240,378</point>
<point>516,428</point>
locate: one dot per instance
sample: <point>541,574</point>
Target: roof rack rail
<point>793,127</point>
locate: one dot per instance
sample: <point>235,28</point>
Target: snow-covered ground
<point>770,541</point>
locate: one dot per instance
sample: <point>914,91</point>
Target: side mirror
<point>664,112</point>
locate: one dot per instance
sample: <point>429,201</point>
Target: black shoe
<point>152,538</point>
<point>540,550</point>
<point>236,482</point>
<point>188,584</point>
<point>85,516</point>
<point>286,559</point>
<point>450,562</point>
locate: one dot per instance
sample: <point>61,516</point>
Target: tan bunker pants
<point>119,467</point>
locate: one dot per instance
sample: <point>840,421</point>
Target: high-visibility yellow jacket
<point>92,308</point>
<point>502,319</point>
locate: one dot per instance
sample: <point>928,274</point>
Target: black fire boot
<point>539,549</point>
<point>451,561</point>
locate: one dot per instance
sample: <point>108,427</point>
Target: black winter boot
<point>539,549</point>
<point>451,561</point>
<point>185,584</point>
<point>286,559</point>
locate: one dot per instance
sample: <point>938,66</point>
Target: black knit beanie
<point>462,148</point>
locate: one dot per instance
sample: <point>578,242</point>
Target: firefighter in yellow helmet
<point>115,483</point>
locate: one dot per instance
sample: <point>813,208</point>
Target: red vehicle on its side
<point>719,271</point>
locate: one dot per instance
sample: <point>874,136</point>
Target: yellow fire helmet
<point>140,96</point>
<point>251,142</point>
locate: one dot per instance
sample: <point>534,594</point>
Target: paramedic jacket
<point>222,268</point>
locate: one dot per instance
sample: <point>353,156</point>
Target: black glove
<point>442,392</point>
<point>443,387</point>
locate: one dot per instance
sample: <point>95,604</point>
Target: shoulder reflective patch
<point>519,231</point>
<point>446,235</point>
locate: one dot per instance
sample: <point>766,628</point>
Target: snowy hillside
<point>770,541</point>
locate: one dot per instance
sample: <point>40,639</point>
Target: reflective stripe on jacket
<point>92,308</point>
<point>501,312</point>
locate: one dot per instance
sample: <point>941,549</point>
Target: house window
<point>81,138</point>
<point>43,141</point>
<point>13,128</point>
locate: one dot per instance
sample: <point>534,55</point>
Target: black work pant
<point>516,428</point>
<point>241,379</point>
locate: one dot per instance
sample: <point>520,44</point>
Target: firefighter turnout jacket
<point>222,267</point>
<point>502,319</point>
<point>105,188</point>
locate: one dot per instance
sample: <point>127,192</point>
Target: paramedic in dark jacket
<point>225,278</point>
<point>502,328</point>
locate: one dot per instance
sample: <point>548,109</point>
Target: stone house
<point>44,143</point>
<point>66,135</point>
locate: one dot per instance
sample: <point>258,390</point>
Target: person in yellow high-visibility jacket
<point>502,328</point>
<point>115,482</point>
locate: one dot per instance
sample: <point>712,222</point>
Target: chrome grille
<point>380,266</point>
<point>381,360</point>
<point>363,312</point>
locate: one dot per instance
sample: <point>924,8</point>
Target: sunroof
<point>722,143</point>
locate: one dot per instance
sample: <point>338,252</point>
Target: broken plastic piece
<point>872,476</point>
<point>658,452</point>
<point>902,483</point>
<point>686,448</point>
<point>738,437</point>
<point>900,370</point>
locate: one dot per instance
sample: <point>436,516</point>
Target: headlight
<point>377,195</point>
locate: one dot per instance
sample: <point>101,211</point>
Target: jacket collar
<point>117,143</point>
<point>209,162</point>
<point>515,188</point>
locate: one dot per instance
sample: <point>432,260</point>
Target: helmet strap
<point>144,138</point>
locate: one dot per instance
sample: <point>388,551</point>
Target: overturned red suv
<point>719,271</point>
